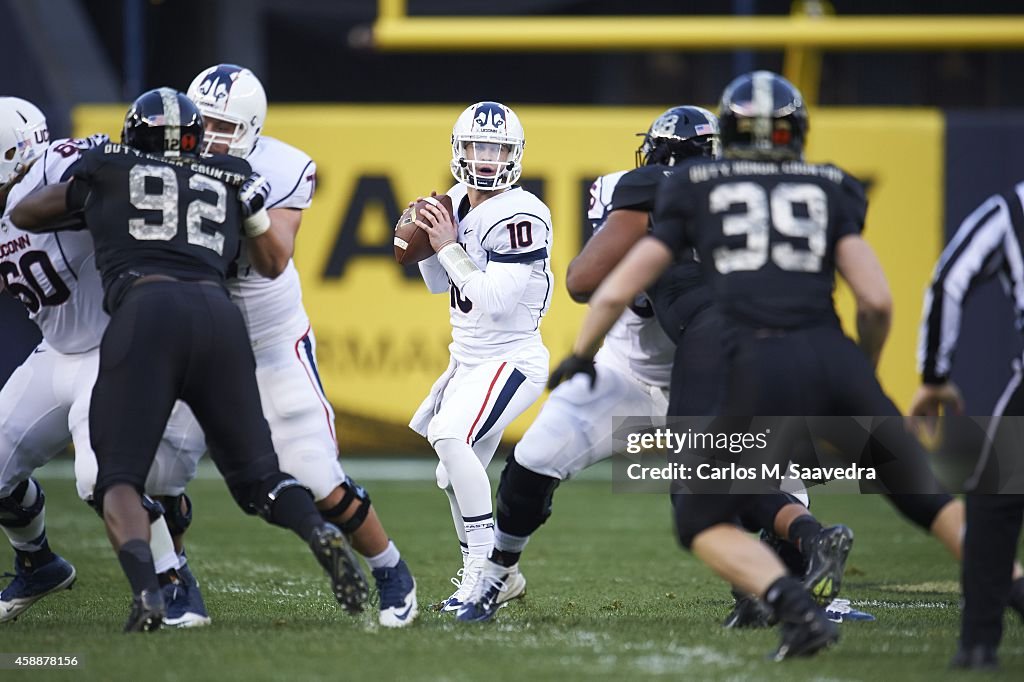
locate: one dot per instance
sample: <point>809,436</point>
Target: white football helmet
<point>23,136</point>
<point>487,147</point>
<point>229,93</point>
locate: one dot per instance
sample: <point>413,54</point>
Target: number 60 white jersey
<point>54,274</point>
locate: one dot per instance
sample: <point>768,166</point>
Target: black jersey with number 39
<point>766,233</point>
<point>157,215</point>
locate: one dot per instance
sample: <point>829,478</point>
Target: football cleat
<point>840,611</point>
<point>514,586</point>
<point>748,612</point>
<point>484,600</point>
<point>977,657</point>
<point>147,612</point>
<point>807,636</point>
<point>29,586</point>
<point>348,584</point>
<point>464,581</point>
<point>185,606</point>
<point>826,560</point>
<point>397,589</point>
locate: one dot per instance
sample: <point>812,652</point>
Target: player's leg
<point>477,403</point>
<point>704,525</point>
<point>241,445</point>
<point>303,431</point>
<point>993,530</point>
<point>181,447</point>
<point>143,355</point>
<point>33,428</point>
<point>572,432</point>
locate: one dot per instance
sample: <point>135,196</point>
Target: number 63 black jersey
<point>157,215</point>
<point>766,233</point>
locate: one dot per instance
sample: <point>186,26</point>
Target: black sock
<point>35,558</point>
<point>505,559</point>
<point>137,563</point>
<point>294,509</point>
<point>802,530</point>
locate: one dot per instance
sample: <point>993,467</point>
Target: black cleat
<point>977,657</point>
<point>748,612</point>
<point>348,583</point>
<point>147,612</point>
<point>826,559</point>
<point>805,627</point>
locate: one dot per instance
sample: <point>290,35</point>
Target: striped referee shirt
<point>987,243</point>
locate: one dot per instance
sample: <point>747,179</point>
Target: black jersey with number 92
<point>156,215</point>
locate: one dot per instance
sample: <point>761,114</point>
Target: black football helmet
<point>679,133</point>
<point>763,116</point>
<point>165,122</point>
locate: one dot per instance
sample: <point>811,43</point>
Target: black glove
<point>253,194</point>
<point>570,367</point>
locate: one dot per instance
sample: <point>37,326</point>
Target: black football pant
<point>815,372</point>
<point>990,543</point>
<point>178,340</point>
<point>698,367</point>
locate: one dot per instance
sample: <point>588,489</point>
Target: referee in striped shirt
<point>989,242</point>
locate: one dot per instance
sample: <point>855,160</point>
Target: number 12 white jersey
<point>54,274</point>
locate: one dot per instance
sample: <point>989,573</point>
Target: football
<point>411,242</point>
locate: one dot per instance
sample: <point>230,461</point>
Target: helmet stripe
<point>172,119</point>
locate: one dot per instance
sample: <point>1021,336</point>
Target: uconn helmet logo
<point>217,84</point>
<point>489,117</point>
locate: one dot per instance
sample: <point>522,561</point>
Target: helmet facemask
<point>486,164</point>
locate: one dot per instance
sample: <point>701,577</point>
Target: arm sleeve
<point>434,275</point>
<point>299,192</point>
<point>673,207</point>
<point>521,238</point>
<point>498,289</point>
<point>978,249</point>
<point>853,207</point>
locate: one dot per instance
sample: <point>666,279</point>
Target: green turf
<point>610,597</point>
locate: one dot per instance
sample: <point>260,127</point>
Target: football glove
<point>570,367</point>
<point>253,194</point>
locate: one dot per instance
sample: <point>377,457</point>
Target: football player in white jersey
<point>44,405</point>
<point>494,264</point>
<point>234,107</point>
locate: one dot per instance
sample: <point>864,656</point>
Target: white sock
<point>386,559</point>
<point>456,515</point>
<point>162,546</point>
<point>29,538</point>
<point>472,490</point>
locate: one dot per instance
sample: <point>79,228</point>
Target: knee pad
<point>258,498</point>
<point>13,514</point>
<point>921,509</point>
<point>153,508</point>
<point>178,521</point>
<point>524,498</point>
<point>354,494</point>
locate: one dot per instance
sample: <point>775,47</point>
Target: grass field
<point>610,597</point>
